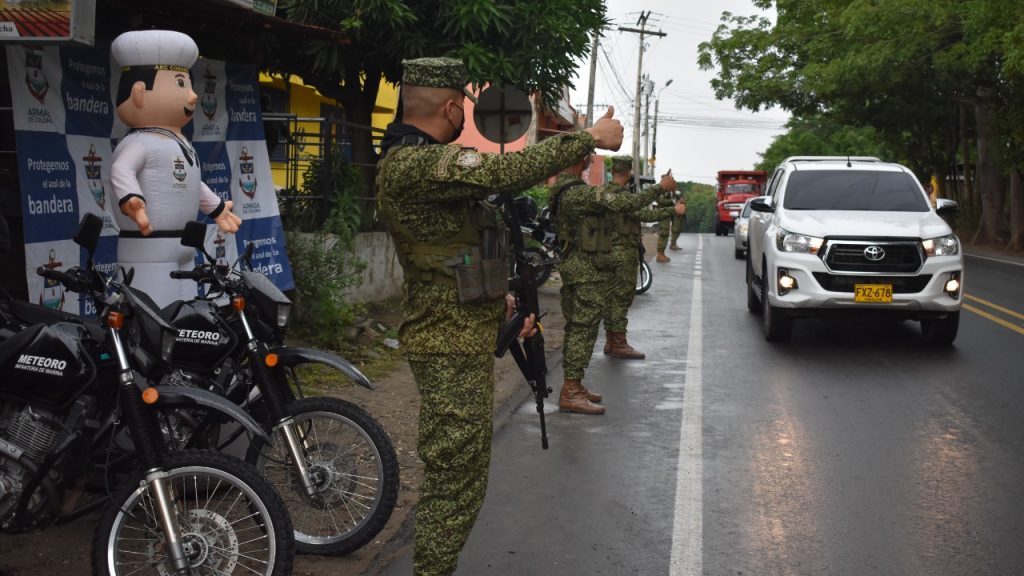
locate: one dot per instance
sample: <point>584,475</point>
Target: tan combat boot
<point>573,398</point>
<point>622,349</point>
<point>674,246</point>
<point>662,258</point>
<point>594,397</point>
<point>608,341</point>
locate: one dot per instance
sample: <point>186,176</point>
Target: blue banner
<point>66,128</point>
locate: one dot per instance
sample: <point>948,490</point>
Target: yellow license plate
<point>875,293</point>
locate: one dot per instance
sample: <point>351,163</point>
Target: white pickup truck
<point>836,234</point>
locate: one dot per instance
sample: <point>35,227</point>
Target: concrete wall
<point>382,278</point>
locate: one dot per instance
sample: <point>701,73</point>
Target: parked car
<point>740,232</point>
<point>852,233</point>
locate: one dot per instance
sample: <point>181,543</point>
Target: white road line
<point>688,522</point>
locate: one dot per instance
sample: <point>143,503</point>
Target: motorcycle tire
<point>644,279</point>
<point>354,468</point>
<point>541,261</point>
<point>231,520</point>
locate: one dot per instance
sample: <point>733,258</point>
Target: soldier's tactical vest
<point>627,225</point>
<point>591,234</point>
<point>474,260</point>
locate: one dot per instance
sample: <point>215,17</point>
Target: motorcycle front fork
<point>273,395</point>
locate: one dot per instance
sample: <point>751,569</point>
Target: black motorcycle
<point>332,462</point>
<point>545,252</point>
<point>70,403</point>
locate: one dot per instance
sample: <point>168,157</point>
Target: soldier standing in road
<point>626,260</point>
<point>675,222</point>
<point>585,220</point>
<point>453,254</point>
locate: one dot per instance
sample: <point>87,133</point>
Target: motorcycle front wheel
<point>230,520</point>
<point>643,278</point>
<point>351,466</point>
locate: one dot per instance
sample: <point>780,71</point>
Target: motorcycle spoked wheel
<point>541,261</point>
<point>354,470</point>
<point>231,521</point>
<point>644,279</point>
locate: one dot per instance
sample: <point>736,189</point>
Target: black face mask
<point>457,131</point>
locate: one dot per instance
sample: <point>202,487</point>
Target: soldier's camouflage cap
<point>621,163</point>
<point>437,72</point>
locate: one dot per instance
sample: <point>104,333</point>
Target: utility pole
<point>642,31</point>
<point>593,78</point>
<point>648,88</point>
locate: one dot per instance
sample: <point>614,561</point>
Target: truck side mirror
<point>946,207</point>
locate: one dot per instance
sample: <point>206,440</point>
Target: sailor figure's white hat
<point>159,49</point>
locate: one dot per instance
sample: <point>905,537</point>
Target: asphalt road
<point>854,449</point>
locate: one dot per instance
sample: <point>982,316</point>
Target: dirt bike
<point>80,430</point>
<point>332,462</point>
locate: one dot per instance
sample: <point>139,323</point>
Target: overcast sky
<point>697,135</point>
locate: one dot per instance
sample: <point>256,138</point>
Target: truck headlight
<point>797,243</point>
<point>942,246</point>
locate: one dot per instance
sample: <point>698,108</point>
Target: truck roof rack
<point>831,159</point>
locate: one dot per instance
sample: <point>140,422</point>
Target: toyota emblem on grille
<point>874,253</point>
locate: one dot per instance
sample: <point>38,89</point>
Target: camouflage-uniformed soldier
<point>676,222</point>
<point>626,261</point>
<point>453,256</point>
<point>584,216</point>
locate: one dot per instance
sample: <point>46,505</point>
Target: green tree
<point>489,35</point>
<point>817,135</point>
<point>701,207</point>
<point>902,67</point>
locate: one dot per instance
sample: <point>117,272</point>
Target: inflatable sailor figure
<point>155,171</point>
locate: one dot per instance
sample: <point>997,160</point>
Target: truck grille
<point>900,257</point>
<point>900,284</point>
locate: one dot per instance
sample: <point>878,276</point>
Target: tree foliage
<point>905,68</point>
<point>817,135</point>
<point>491,36</point>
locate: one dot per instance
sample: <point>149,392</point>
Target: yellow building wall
<point>304,101</point>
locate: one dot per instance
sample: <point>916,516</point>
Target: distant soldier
<point>453,255</point>
<point>626,258</point>
<point>585,220</point>
<point>676,222</point>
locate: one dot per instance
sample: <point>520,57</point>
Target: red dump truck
<point>734,187</point>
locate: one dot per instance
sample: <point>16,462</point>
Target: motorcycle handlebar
<point>196,274</point>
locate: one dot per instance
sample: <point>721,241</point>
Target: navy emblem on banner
<point>94,175</point>
<point>52,295</point>
<point>247,176</point>
<point>35,76</point>
<point>209,99</point>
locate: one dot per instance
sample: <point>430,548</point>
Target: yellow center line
<point>994,306</point>
<point>996,319</point>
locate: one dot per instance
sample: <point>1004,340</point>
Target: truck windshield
<point>740,189</point>
<point>854,190</point>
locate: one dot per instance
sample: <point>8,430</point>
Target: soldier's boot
<point>608,341</point>
<point>594,397</point>
<point>662,258</point>
<point>674,246</point>
<point>573,398</point>
<point>622,349</point>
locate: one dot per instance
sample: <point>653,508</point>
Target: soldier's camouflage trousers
<point>583,306</point>
<point>623,288</point>
<point>676,223</point>
<point>457,395</point>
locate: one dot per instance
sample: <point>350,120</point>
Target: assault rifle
<point>528,353</point>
